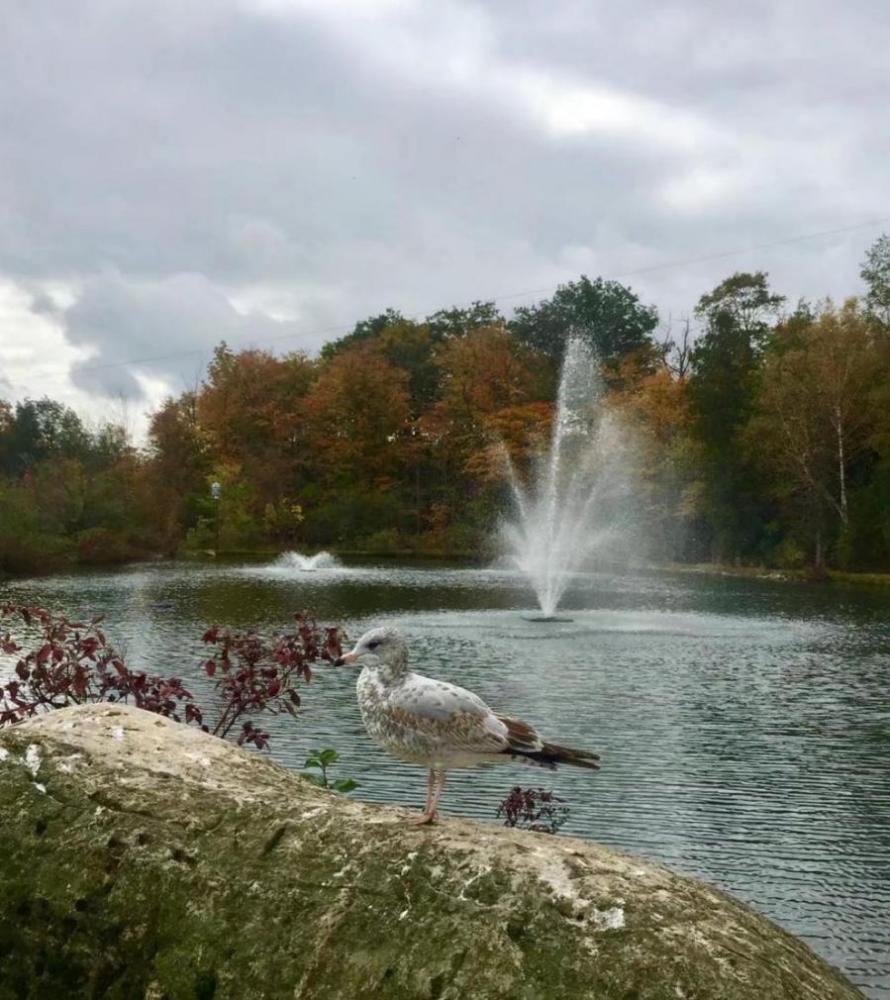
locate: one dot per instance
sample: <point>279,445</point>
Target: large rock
<point>140,858</point>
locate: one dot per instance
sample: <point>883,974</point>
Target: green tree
<point>38,430</point>
<point>457,322</point>
<point>364,330</point>
<point>876,275</point>
<point>607,314</point>
<point>724,362</point>
<point>736,318</point>
<point>411,348</point>
<point>742,301</point>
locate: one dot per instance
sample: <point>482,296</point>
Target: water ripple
<point>744,725</point>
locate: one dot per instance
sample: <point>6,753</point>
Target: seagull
<point>440,725</point>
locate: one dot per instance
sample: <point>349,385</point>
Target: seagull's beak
<point>342,661</point>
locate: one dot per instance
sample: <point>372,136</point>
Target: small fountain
<point>576,501</point>
<point>306,564</point>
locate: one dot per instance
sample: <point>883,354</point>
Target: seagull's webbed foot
<point>424,819</point>
<point>434,783</point>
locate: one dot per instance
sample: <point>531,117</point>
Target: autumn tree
<point>490,385</point>
<point>482,374</point>
<point>657,415</point>
<point>179,466</point>
<point>813,421</point>
<point>66,492</point>
<point>760,432</point>
<point>357,418</point>
<point>250,412</point>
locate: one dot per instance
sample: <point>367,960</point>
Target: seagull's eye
<point>374,644</point>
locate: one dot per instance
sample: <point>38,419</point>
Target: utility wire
<point>716,256</point>
<point>666,265</point>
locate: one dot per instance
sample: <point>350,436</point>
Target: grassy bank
<point>784,575</point>
<point>871,579</point>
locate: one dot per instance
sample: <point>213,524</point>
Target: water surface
<point>744,725</point>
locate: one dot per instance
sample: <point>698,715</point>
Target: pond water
<point>744,724</point>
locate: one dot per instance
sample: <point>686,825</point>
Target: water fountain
<point>306,564</point>
<point>575,504</point>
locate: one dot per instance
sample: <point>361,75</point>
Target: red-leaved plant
<point>72,663</point>
<point>533,809</point>
<point>254,675</point>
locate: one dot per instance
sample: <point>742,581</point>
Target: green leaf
<point>344,785</point>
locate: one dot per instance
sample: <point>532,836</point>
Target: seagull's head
<point>383,647</point>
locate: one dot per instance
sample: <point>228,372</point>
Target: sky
<point>269,171</point>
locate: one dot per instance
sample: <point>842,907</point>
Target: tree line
<point>761,435</point>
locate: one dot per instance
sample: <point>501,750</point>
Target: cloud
<point>167,327</point>
<point>269,171</point>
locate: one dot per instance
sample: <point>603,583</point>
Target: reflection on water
<point>744,725</point>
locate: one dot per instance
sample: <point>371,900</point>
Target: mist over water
<point>576,504</point>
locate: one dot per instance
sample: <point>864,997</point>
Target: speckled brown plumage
<point>440,725</point>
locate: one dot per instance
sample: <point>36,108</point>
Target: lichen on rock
<point>159,862</point>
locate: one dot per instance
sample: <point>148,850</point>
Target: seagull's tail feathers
<point>552,754</point>
<point>525,746</point>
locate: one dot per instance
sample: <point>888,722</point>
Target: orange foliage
<point>357,416</point>
<point>522,430</point>
<point>250,409</point>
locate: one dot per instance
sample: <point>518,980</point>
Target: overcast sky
<point>269,171</point>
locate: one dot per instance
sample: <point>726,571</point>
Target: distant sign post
<point>216,493</point>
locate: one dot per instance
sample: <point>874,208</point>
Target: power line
<point>665,265</point>
<point>715,256</point>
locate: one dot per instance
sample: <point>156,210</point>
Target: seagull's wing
<point>457,719</point>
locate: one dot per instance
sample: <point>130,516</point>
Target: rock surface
<point>140,858</point>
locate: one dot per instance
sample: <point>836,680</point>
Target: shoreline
<point>827,576</point>
<point>470,558</point>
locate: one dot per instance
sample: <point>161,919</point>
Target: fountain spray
<point>575,504</point>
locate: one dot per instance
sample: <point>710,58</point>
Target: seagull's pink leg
<point>435,781</point>
<point>437,792</point>
<point>430,777</point>
<point>424,817</point>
